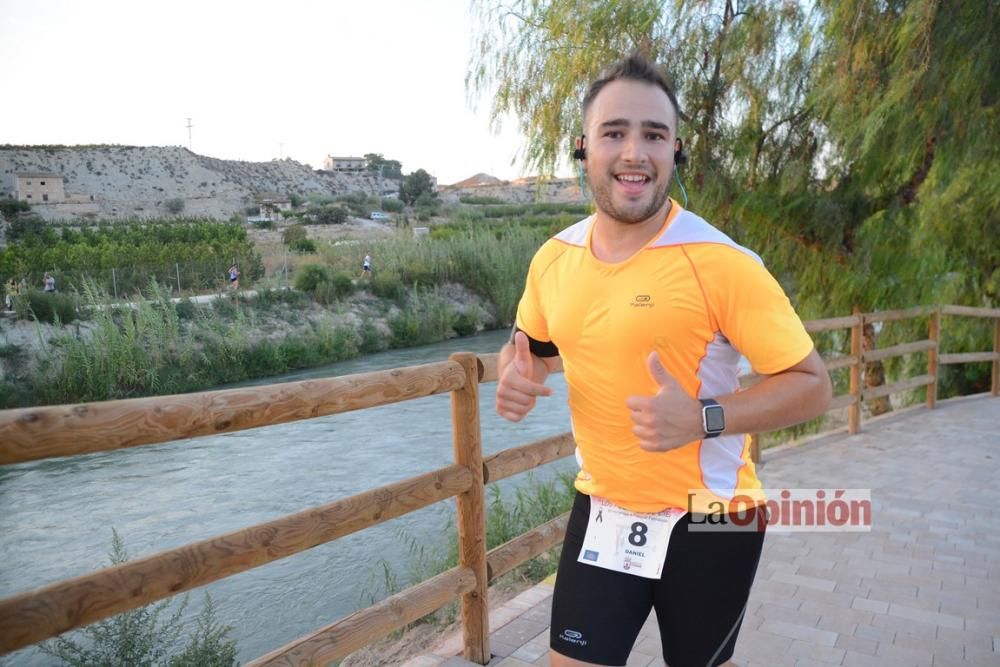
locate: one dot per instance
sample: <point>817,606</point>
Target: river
<point>57,515</point>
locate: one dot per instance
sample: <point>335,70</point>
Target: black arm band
<point>538,348</point>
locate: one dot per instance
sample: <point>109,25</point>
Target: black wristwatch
<point>713,417</point>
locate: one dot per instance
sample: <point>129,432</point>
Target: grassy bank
<point>489,260</point>
<point>510,512</point>
<point>156,346</point>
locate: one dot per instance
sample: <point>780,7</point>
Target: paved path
<point>922,588</point>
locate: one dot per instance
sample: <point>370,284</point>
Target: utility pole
<point>189,126</point>
<point>281,151</point>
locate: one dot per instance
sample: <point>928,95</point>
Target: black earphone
<point>680,157</point>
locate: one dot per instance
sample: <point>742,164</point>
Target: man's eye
<point>652,136</point>
<point>613,134</point>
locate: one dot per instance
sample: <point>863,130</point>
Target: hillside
<point>135,181</point>
<point>520,191</point>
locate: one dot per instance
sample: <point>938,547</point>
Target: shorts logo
<point>589,555</point>
<point>573,637</point>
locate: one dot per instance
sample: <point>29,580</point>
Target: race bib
<point>629,542</point>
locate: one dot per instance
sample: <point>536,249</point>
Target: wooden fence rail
<point>43,432</point>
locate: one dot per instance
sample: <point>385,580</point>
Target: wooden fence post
<point>755,447</point>
<point>471,504</point>
<point>933,334</point>
<point>995,384</point>
<point>854,410</point>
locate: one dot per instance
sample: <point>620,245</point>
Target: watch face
<point>715,420</point>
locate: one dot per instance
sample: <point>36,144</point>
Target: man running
<point>649,308</point>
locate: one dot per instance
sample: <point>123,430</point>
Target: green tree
<point>293,233</point>
<point>415,185</point>
<point>849,142</point>
<point>386,168</point>
<point>741,70</point>
<point>331,215</point>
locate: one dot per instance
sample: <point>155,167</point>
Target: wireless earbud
<point>680,157</point>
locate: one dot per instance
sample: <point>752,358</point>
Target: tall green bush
<point>45,307</point>
<point>144,637</point>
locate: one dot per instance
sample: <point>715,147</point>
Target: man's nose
<point>632,149</point>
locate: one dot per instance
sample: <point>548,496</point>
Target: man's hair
<point>633,68</point>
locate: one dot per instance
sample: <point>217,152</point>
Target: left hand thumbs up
<point>669,418</point>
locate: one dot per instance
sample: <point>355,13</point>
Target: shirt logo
<point>642,301</point>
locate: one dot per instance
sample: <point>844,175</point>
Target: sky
<point>259,80</point>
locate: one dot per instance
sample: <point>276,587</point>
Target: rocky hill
<point>136,181</point>
<point>520,191</point>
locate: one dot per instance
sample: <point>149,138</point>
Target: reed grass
<point>511,511</point>
<point>490,261</point>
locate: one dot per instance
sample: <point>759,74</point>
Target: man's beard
<point>632,213</point>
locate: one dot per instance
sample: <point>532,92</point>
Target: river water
<point>56,516</point>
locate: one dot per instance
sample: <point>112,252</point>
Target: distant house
<point>37,187</point>
<point>273,206</point>
<point>333,163</point>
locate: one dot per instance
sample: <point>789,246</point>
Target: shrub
<point>387,286</point>
<point>173,206</point>
<point>392,205</point>
<point>140,638</point>
<point>481,200</point>
<point>47,307</point>
<point>25,225</point>
<point>331,215</point>
<point>185,308</point>
<point>343,284</point>
<point>302,245</point>
<point>263,224</point>
<point>466,323</point>
<point>10,208</point>
<point>293,233</point>
<point>371,339</point>
<point>310,276</point>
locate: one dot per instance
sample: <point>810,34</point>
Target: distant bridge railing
<point>69,430</point>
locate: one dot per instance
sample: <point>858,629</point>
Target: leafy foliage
<point>121,257</point>
<point>415,185</point>
<point>386,168</point>
<point>845,141</point>
<point>293,233</point>
<point>45,307</point>
<point>174,206</point>
<point>11,208</point>
<point>145,638</point>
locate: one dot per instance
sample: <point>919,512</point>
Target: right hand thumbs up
<point>522,356</point>
<point>516,388</point>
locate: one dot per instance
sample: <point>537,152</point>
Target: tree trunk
<point>874,374</point>
<point>706,142</point>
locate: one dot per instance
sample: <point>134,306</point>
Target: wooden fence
<point>67,430</point>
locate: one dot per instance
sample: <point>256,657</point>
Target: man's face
<point>630,131</point>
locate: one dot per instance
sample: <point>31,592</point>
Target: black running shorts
<point>699,600</point>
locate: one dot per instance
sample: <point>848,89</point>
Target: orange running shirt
<point>699,300</point>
